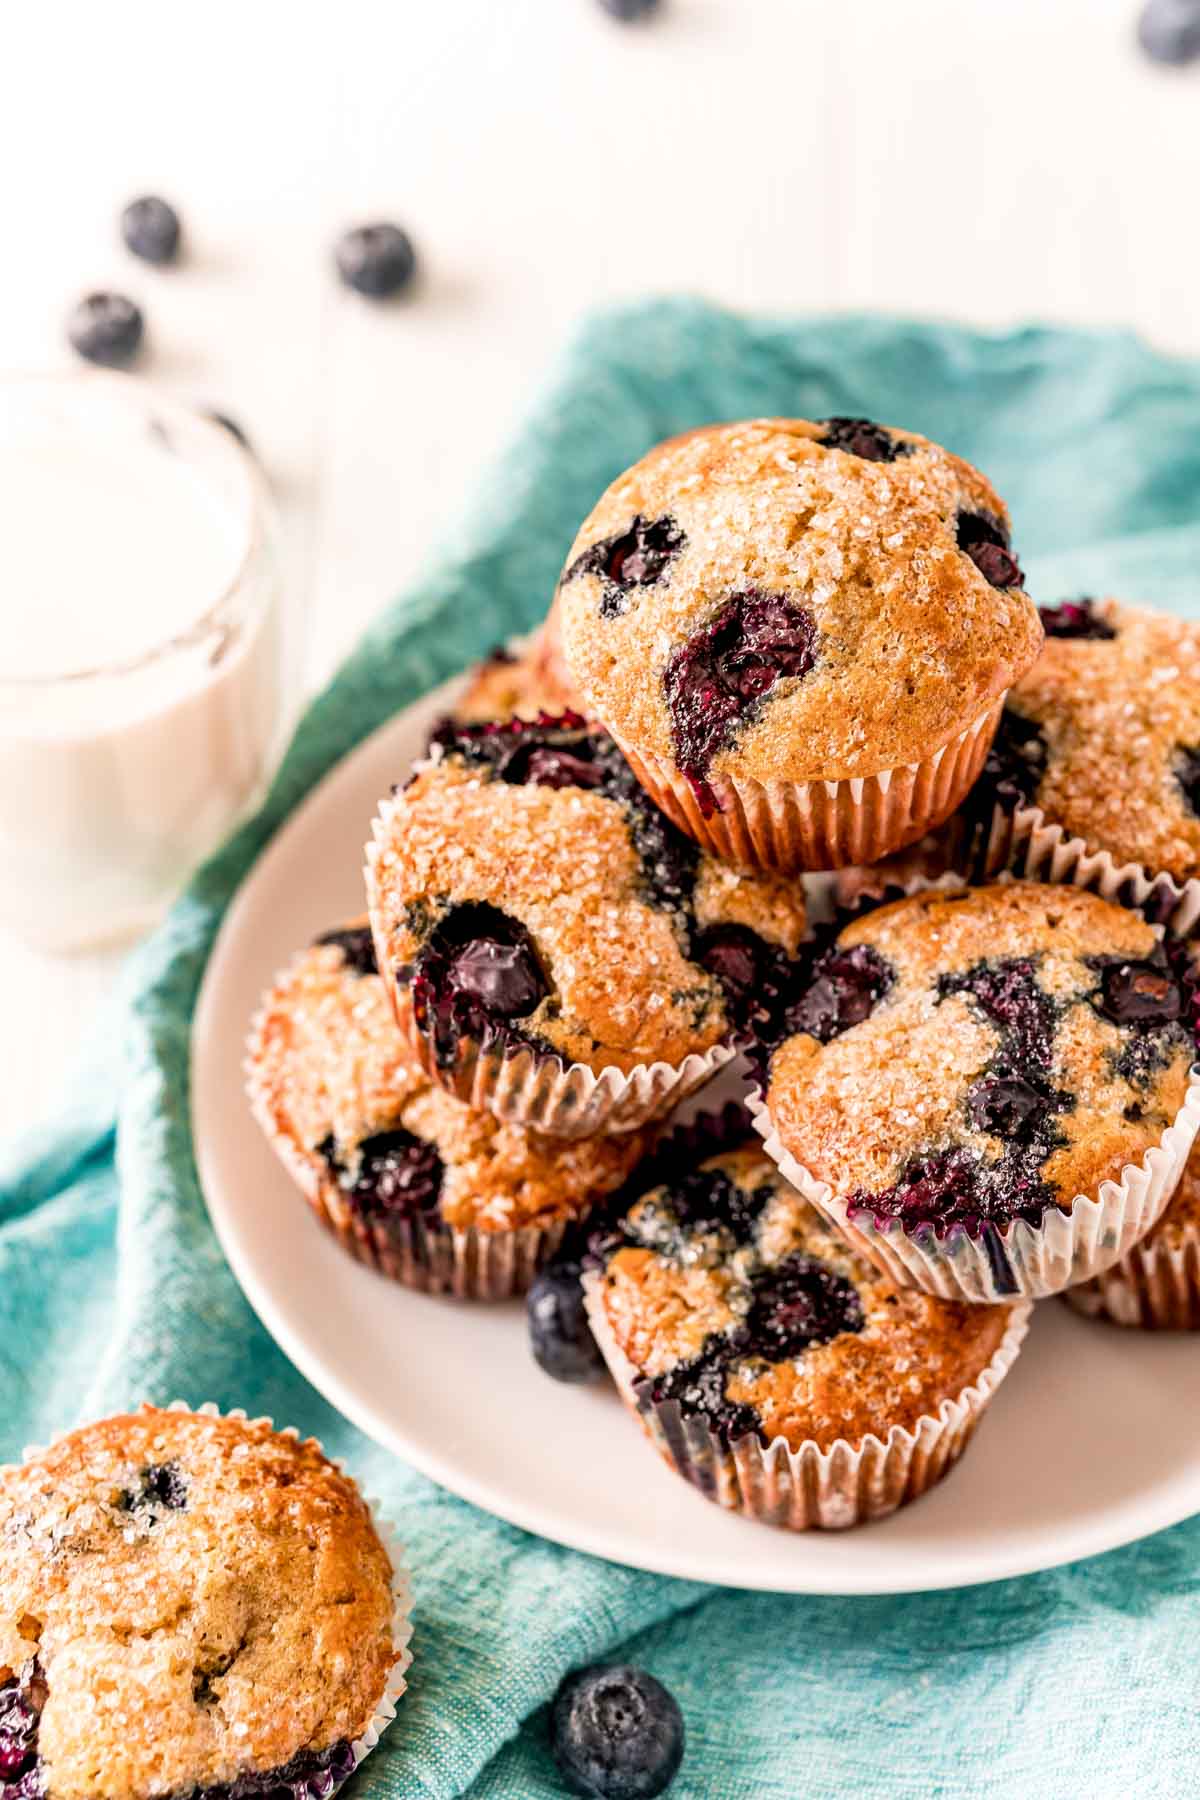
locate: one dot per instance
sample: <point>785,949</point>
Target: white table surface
<point>986,159</point>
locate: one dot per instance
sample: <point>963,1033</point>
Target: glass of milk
<point>141,651</point>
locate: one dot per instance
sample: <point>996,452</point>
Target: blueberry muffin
<point>439,1195</point>
<point>556,949</point>
<point>800,634</point>
<point>772,1364</point>
<point>1101,742</point>
<point>517,684</point>
<point>190,1605</point>
<point>1156,1286</point>
<point>970,1076</point>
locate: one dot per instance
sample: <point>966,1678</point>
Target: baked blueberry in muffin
<point>767,1357</point>
<point>190,1606</point>
<point>529,901</point>
<point>768,615</point>
<point>434,1193</point>
<point>1102,737</point>
<point>963,1061</point>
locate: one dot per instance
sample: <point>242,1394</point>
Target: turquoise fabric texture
<point>112,1288</point>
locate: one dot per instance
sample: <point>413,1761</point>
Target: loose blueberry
<point>150,228</point>
<point>399,1176</point>
<point>721,675</point>
<point>376,260</point>
<point>559,1334</point>
<point>984,539</point>
<point>1075,619</point>
<point>1139,993</point>
<point>862,437</point>
<point>845,987</point>
<point>1169,31</point>
<point>629,11</point>
<point>633,558</point>
<point>616,1733</point>
<point>357,947</point>
<point>106,329</point>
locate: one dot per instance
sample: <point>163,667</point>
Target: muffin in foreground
<point>441,1196</point>
<point>1156,1285</point>
<point>556,950</point>
<point>775,1367</point>
<point>800,634</point>
<point>1097,759</point>
<point>191,1605</point>
<point>989,1088</point>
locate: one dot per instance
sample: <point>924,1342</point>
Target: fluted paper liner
<point>813,825</point>
<point>1020,842</point>
<point>530,1088</point>
<point>428,1255</point>
<point>827,1489</point>
<point>385,1709</point>
<point>1156,1287</point>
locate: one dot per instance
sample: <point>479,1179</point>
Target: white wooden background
<point>988,159</point>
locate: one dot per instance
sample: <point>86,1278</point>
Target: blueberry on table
<point>1169,31</point>
<point>150,229</point>
<point>106,329</point>
<point>376,260</point>
<point>630,10</point>
<point>559,1334</point>
<point>616,1733</point>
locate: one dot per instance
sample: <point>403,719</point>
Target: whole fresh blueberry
<point>376,260</point>
<point>616,1733</point>
<point>1169,31</point>
<point>150,228</point>
<point>630,10</point>
<point>106,329</point>
<point>559,1334</point>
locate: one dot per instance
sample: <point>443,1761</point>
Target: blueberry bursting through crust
<point>794,1304</point>
<point>309,1775</point>
<point>478,974</point>
<point>717,680</point>
<point>634,558</point>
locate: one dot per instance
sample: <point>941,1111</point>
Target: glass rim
<point>148,398</point>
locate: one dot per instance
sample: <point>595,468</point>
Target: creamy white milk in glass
<point>141,651</point>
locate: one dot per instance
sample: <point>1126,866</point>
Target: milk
<point>140,652</point>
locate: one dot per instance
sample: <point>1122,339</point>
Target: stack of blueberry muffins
<point>795,793</point>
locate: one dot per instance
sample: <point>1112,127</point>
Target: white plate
<point>1090,1443</point>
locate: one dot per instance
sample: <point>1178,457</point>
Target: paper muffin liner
<point>815,825</point>
<point>810,1487</point>
<point>1022,843</point>
<point>397,1678</point>
<point>996,1263</point>
<point>567,1100</point>
<point>425,1254</point>
<point>1156,1287</point>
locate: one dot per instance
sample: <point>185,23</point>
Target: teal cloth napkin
<point>112,1288</point>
